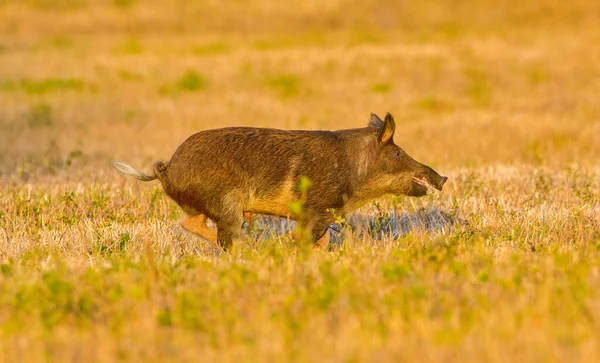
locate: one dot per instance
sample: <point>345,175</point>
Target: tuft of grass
<point>73,156</point>
<point>362,37</point>
<point>60,42</point>
<point>450,30</point>
<point>432,104</point>
<point>211,49</point>
<point>289,41</point>
<point>124,3</point>
<point>129,76</point>
<point>477,88</point>
<point>110,246</point>
<point>131,46</point>
<point>382,88</point>
<point>43,86</point>
<point>537,75</point>
<point>285,85</point>
<point>40,115</point>
<point>191,81</point>
<point>62,5</point>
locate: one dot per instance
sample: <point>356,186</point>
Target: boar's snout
<point>435,180</point>
<point>431,178</point>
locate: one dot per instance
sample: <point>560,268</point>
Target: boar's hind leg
<point>197,225</point>
<point>222,238</point>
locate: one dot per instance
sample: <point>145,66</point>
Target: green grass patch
<point>285,85</point>
<point>478,87</point>
<point>288,41</point>
<point>537,75</point>
<point>432,104</point>
<point>210,49</point>
<point>40,115</point>
<point>131,46</point>
<point>362,37</point>
<point>60,5</point>
<point>43,86</point>
<point>129,76</point>
<point>124,4</point>
<point>450,30</point>
<point>190,81</point>
<point>105,247</point>
<point>381,88</point>
<point>56,42</point>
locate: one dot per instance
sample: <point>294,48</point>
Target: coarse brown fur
<point>228,174</point>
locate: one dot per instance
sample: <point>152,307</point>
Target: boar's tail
<point>127,169</point>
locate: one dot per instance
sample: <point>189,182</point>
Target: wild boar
<point>231,173</point>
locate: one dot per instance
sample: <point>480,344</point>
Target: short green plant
<point>382,88</point>
<point>285,85</point>
<point>191,81</point>
<point>478,87</point>
<point>211,49</point>
<point>43,86</point>
<point>40,115</point>
<point>303,228</point>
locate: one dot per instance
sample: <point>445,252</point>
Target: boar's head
<point>393,169</point>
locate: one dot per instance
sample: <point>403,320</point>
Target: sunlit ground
<point>503,265</point>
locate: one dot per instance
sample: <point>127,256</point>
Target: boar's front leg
<point>320,234</point>
<point>323,242</point>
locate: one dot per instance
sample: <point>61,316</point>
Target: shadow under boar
<point>228,174</point>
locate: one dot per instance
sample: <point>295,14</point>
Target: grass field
<point>503,265</point>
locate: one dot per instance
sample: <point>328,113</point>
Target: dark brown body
<point>224,174</point>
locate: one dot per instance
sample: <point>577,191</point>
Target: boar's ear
<point>386,132</point>
<point>375,122</point>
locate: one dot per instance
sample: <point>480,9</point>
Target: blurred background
<point>471,83</point>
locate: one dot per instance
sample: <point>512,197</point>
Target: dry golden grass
<point>501,266</point>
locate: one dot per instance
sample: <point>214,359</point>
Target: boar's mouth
<point>426,183</point>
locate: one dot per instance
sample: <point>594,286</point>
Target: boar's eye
<point>398,153</point>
